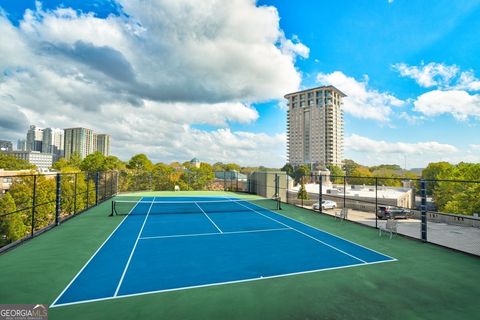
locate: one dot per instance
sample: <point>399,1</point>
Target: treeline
<point>357,173</point>
<point>462,197</point>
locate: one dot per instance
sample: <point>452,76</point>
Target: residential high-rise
<point>22,145</point>
<point>53,142</point>
<point>103,144</point>
<point>80,140</point>
<point>6,145</point>
<point>315,127</point>
<point>34,139</point>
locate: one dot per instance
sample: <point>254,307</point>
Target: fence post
<point>116,182</point>
<point>376,202</point>
<point>87,176</point>
<point>423,192</point>
<point>75,193</point>
<point>111,183</point>
<point>344,191</point>
<point>97,175</point>
<point>286,189</point>
<point>320,196</point>
<point>58,199</point>
<point>104,185</point>
<point>34,193</point>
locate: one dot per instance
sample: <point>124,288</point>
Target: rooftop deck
<point>427,281</point>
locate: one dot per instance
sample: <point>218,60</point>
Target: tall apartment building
<point>22,145</point>
<point>315,127</point>
<point>34,139</point>
<point>53,142</point>
<point>103,144</point>
<point>81,140</point>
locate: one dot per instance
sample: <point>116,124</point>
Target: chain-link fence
<point>444,212</point>
<point>31,204</point>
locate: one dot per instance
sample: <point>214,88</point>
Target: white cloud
<point>458,103</point>
<point>361,101</point>
<point>429,75</point>
<point>468,81</point>
<point>151,75</point>
<point>364,144</point>
<point>369,151</point>
<point>440,75</point>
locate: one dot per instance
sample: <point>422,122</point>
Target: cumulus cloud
<point>458,103</point>
<point>373,152</point>
<point>361,101</point>
<point>150,75</point>
<point>429,75</point>
<point>440,75</point>
<point>363,144</point>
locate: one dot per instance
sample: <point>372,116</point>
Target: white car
<point>326,204</point>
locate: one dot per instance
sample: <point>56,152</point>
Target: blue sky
<point>410,70</point>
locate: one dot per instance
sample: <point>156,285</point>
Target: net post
<point>113,209</point>
<point>58,198</point>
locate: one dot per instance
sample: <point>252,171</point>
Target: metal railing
<point>444,212</point>
<point>31,204</point>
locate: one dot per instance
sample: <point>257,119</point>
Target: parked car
<point>385,212</point>
<point>326,204</point>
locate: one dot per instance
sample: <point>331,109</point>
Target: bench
<point>342,214</point>
<point>389,227</point>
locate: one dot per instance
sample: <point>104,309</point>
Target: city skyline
<point>141,73</point>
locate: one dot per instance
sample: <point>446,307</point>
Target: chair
<point>342,214</point>
<point>390,226</point>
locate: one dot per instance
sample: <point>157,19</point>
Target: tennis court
<point>172,243</point>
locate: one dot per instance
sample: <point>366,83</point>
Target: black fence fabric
<point>31,204</point>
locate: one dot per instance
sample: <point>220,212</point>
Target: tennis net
<point>128,207</point>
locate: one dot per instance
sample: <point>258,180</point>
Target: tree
<point>301,172</point>
<point>140,162</point>
<point>75,160</point>
<point>349,166</point>
<point>93,162</point>
<point>364,176</point>
<point>231,167</point>
<point>113,163</point>
<point>12,227</point>
<point>163,177</point>
<point>336,174</point>
<point>288,168</point>
<point>302,192</point>
<point>433,171</point>
<point>8,162</point>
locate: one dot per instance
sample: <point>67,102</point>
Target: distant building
<point>43,161</point>
<point>22,145</point>
<point>315,127</point>
<point>53,142</point>
<point>7,177</point>
<point>34,139</point>
<point>6,145</point>
<point>80,140</point>
<point>195,162</point>
<point>103,144</point>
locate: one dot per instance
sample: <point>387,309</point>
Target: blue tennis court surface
<point>172,243</point>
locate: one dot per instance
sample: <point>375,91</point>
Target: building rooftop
<point>317,88</point>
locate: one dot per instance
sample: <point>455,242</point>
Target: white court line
<point>206,215</point>
<point>91,258</point>
<point>307,235</point>
<point>133,250</point>
<point>333,235</point>
<point>219,283</point>
<point>212,233</point>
